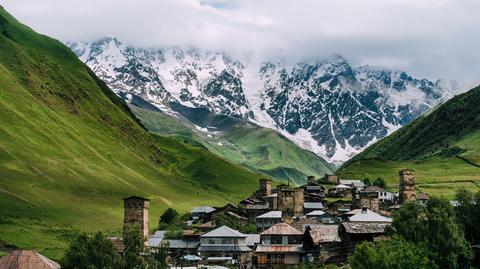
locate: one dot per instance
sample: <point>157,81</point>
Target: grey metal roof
<point>281,229</point>
<point>182,244</point>
<point>252,239</point>
<point>353,182</point>
<point>227,248</point>
<point>224,231</point>
<point>155,239</point>
<point>316,213</point>
<point>203,209</point>
<point>271,215</point>
<point>369,216</point>
<point>313,205</point>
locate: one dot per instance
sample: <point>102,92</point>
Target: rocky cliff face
<point>326,106</point>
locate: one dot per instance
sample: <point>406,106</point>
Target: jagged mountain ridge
<point>325,106</point>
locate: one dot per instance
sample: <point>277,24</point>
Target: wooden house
<point>281,245</point>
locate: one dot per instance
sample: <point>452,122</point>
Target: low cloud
<point>429,38</point>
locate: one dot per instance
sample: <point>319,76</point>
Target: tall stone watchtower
<point>265,187</point>
<point>136,212</point>
<point>407,186</point>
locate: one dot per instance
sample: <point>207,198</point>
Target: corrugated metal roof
<point>341,186</point>
<point>228,248</point>
<point>252,239</point>
<point>224,231</point>
<point>257,207</point>
<point>354,182</point>
<point>283,229</point>
<point>203,209</point>
<point>27,259</point>
<point>271,215</point>
<point>313,205</point>
<point>369,216</point>
<point>279,249</point>
<point>364,228</point>
<point>316,213</point>
<point>324,234</point>
<point>182,244</point>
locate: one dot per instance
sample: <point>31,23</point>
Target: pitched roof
<point>354,182</point>
<point>257,206</point>
<point>252,239</point>
<point>375,188</point>
<point>271,215</point>
<point>324,234</point>
<point>283,229</point>
<point>313,205</point>
<point>27,259</point>
<point>316,213</point>
<point>277,249</point>
<point>369,216</point>
<point>203,209</point>
<point>224,231</point>
<point>341,186</point>
<point>155,239</point>
<point>364,228</point>
<point>182,244</point>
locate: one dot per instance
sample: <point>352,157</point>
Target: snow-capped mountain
<point>326,106</point>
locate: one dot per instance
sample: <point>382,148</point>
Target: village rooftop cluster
<point>310,223</point>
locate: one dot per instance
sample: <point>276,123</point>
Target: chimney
<point>364,209</point>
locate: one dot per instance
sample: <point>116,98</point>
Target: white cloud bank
<point>430,38</point>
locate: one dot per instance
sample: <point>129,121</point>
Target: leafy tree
<point>392,254</point>
<point>92,252</point>
<point>168,216</point>
<point>134,247</point>
<point>434,227</point>
<point>367,182</point>
<point>173,234</point>
<point>380,182</point>
<point>468,214</point>
<point>224,219</point>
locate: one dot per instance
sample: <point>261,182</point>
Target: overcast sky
<point>428,38</point>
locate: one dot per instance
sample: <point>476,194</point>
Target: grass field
<point>70,150</point>
<point>437,176</point>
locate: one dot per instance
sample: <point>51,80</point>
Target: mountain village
<point>311,223</point>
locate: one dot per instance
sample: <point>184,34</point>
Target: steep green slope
<point>258,148</point>
<point>70,150</point>
<point>443,146</point>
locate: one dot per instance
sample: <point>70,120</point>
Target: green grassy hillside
<point>443,147</point>
<point>260,149</point>
<point>70,150</point>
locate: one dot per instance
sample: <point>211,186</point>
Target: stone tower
<point>369,199</point>
<point>136,213</point>
<point>311,180</point>
<point>265,187</point>
<point>298,200</point>
<point>285,200</point>
<point>407,186</point>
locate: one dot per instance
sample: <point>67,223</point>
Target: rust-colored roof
<point>27,259</point>
<point>324,234</point>
<point>423,196</point>
<point>277,249</point>
<point>283,229</point>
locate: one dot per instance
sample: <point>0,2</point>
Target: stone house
<point>324,245</point>
<point>202,213</point>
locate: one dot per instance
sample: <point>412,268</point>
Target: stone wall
<point>369,199</point>
<point>265,187</point>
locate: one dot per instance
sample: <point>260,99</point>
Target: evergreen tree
<point>168,216</point>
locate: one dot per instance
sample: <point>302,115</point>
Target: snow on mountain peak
<point>326,106</point>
